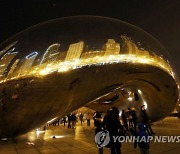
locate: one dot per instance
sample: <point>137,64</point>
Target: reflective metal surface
<point>56,67</point>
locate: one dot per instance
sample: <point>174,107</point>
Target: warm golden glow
<point>136,56</point>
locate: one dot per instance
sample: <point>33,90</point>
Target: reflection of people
<point>130,118</point>
<point>134,118</point>
<point>88,119</point>
<point>69,120</point>
<point>112,124</point>
<point>73,119</point>
<point>98,128</point>
<point>64,120</point>
<point>124,119</point>
<point>96,115</point>
<point>146,120</point>
<point>81,118</point>
<point>143,142</point>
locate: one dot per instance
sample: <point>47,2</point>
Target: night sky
<point>160,18</point>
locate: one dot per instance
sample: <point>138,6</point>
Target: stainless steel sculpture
<point>56,67</point>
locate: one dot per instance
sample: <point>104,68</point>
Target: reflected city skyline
<point>77,56</point>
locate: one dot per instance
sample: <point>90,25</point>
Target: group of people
<point>137,127</point>
<point>131,125</point>
<point>71,120</point>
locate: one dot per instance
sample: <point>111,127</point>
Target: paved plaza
<point>81,140</point>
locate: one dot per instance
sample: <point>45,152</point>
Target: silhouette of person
<point>130,118</point>
<point>73,119</point>
<point>143,142</point>
<point>64,121</point>
<point>146,120</point>
<point>98,128</point>
<point>69,120</point>
<point>112,124</point>
<point>81,118</point>
<point>124,119</point>
<point>134,118</point>
<point>88,119</point>
<point>96,115</point>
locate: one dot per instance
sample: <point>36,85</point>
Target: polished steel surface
<point>56,67</point>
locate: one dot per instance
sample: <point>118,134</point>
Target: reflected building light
<point>75,50</point>
<point>38,132</point>
<point>64,68</point>
<point>28,62</point>
<point>57,136</point>
<point>112,47</point>
<point>145,105</point>
<point>139,91</point>
<point>30,143</point>
<point>45,71</point>
<point>51,53</point>
<point>120,113</point>
<point>76,58</point>
<point>5,50</point>
<point>130,98</point>
<point>13,67</point>
<point>52,120</point>
<point>32,55</point>
<point>5,61</point>
<point>4,139</point>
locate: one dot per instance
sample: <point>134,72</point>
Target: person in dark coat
<point>64,120</point>
<point>143,142</point>
<point>81,118</point>
<point>146,121</point>
<point>134,118</point>
<point>96,115</point>
<point>112,124</point>
<point>73,119</point>
<point>98,128</point>
<point>124,119</point>
<point>69,120</point>
<point>130,118</point>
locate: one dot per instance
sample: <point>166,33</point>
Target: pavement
<point>81,140</point>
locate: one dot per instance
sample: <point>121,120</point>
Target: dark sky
<point>160,18</point>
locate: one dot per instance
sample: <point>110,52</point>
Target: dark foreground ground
<point>81,140</point>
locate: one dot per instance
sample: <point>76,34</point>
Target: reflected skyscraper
<point>13,67</point>
<point>112,48</point>
<point>7,48</point>
<point>51,53</point>
<point>6,60</point>
<point>74,51</point>
<point>128,47</point>
<point>28,62</point>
